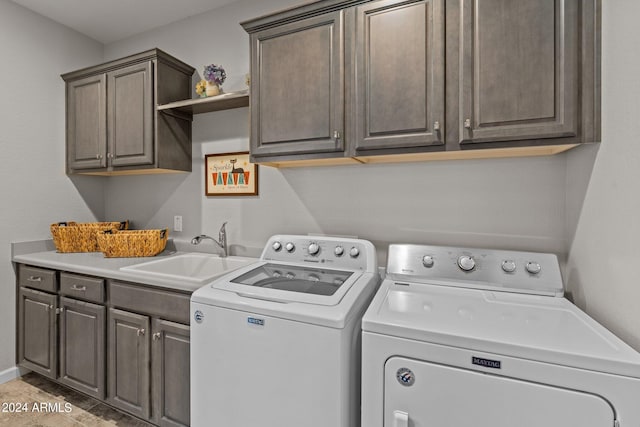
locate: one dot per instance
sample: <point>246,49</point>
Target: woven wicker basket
<point>81,237</point>
<point>132,243</point>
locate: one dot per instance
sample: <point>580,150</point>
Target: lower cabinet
<point>170,354</point>
<point>37,332</point>
<point>130,350</point>
<point>129,375</point>
<point>82,350</point>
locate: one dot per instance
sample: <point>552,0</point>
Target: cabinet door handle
<point>467,124</point>
<point>140,332</point>
<point>156,336</point>
<point>99,156</point>
<point>436,126</point>
<point>48,307</point>
<point>59,310</point>
<point>78,288</point>
<point>109,156</point>
<point>336,135</point>
<point>34,279</point>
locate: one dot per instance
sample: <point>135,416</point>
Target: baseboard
<point>12,373</point>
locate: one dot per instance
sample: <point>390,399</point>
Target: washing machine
<point>278,343</point>
<point>460,337</point>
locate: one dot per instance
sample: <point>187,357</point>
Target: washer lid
<point>541,328</point>
<point>281,282</point>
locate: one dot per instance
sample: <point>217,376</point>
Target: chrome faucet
<point>221,242</point>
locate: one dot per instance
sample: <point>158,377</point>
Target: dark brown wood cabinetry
<point>398,98</point>
<point>38,332</point>
<point>170,360</point>
<point>130,350</point>
<point>298,95</point>
<point>148,353</point>
<point>427,79</point>
<point>113,124</point>
<point>82,346</point>
<point>129,379</point>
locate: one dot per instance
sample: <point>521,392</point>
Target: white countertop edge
<point>42,254</point>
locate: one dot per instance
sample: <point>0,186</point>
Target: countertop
<point>43,254</point>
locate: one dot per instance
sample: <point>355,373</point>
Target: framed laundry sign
<point>230,174</point>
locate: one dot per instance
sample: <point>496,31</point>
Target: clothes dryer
<point>459,337</point>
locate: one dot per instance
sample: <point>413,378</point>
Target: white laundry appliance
<point>461,337</point>
<point>278,343</point>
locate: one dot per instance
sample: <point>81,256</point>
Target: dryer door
<point>423,394</point>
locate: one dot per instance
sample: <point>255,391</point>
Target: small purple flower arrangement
<point>214,74</point>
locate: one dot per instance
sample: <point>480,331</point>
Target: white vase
<point>212,89</point>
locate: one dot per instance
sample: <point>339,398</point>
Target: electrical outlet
<point>177,223</point>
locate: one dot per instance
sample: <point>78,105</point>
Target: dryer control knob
<point>276,246</point>
<point>508,266</point>
<point>313,248</point>
<point>354,252</point>
<point>290,247</point>
<point>427,261</point>
<point>533,267</point>
<point>466,263</point>
<point>338,251</point>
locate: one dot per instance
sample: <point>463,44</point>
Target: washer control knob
<point>338,251</point>
<point>313,248</point>
<point>533,267</point>
<point>508,266</point>
<point>466,263</point>
<point>276,246</point>
<point>290,247</point>
<point>427,261</point>
<point>354,252</point>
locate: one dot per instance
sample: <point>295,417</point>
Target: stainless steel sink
<point>194,268</point>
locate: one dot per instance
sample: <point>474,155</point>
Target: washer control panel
<point>331,252</point>
<point>513,271</point>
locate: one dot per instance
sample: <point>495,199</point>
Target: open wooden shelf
<point>226,101</point>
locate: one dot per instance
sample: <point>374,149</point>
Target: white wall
<point>33,186</point>
<point>604,187</point>
<point>507,203</point>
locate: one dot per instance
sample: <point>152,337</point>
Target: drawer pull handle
<point>156,336</point>
<point>140,332</point>
<point>78,288</point>
<point>34,279</point>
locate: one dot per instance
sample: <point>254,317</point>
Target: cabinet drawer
<point>82,287</point>
<point>37,278</point>
<point>160,303</point>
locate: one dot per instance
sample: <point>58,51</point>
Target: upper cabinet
<point>403,80</point>
<point>398,75</point>
<point>518,70</point>
<point>113,124</point>
<point>297,87</point>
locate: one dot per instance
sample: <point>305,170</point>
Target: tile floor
<point>49,404</point>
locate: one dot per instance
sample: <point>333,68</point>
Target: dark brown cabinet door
<point>82,346</point>
<point>297,89</point>
<point>399,74</point>
<point>128,366</point>
<point>170,361</point>
<point>37,332</point>
<point>130,115</point>
<point>519,75</point>
<point>86,123</point>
